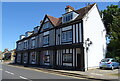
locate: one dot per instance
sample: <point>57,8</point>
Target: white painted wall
<point>46,20</point>
<point>92,28</point>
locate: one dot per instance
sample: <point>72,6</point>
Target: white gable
<point>46,19</point>
<point>92,28</point>
<point>46,24</point>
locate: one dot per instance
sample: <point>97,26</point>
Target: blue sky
<point>19,17</point>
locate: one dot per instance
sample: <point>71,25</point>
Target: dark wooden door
<point>78,61</point>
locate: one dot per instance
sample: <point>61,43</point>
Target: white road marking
<point>9,72</point>
<point>97,74</point>
<point>45,72</point>
<point>23,77</point>
<point>0,69</point>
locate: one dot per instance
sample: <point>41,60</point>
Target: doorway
<point>78,61</point>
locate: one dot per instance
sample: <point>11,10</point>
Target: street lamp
<point>88,42</point>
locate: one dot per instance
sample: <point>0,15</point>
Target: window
<point>19,46</point>
<point>67,36</point>
<point>67,17</point>
<point>64,37</point>
<point>46,40</point>
<point>18,57</point>
<point>25,45</point>
<point>46,56</point>
<point>46,25</point>
<point>105,60</point>
<point>33,57</point>
<point>33,43</point>
<point>25,58</point>
<point>40,41</point>
<point>71,16</point>
<point>67,57</point>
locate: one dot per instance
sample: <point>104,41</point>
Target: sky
<point>20,17</point>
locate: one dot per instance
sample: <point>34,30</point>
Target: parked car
<point>109,63</point>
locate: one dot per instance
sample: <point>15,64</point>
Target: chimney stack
<point>68,9</point>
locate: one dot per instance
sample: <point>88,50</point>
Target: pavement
<point>93,74</point>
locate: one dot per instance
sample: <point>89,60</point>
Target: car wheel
<point>100,67</point>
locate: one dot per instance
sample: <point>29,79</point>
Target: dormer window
<point>67,17</point>
<point>36,29</point>
<point>28,33</point>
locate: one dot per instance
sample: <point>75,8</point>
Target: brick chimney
<point>68,9</point>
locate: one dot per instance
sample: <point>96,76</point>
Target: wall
<point>74,52</point>
<point>92,29</point>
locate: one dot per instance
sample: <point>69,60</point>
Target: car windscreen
<point>105,60</point>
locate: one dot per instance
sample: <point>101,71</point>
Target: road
<point>13,73</point>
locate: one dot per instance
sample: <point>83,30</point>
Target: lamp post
<point>88,42</point>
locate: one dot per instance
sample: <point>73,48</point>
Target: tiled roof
<point>53,20</point>
<point>81,12</point>
<point>58,21</point>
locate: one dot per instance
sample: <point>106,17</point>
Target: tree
<point>111,19</point>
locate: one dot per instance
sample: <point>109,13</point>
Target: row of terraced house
<point>76,40</point>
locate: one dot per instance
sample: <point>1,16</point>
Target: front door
<point>78,61</point>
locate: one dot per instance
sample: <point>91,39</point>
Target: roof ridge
<point>52,16</point>
<point>85,7</point>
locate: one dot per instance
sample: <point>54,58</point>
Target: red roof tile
<point>53,20</point>
<point>81,12</point>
